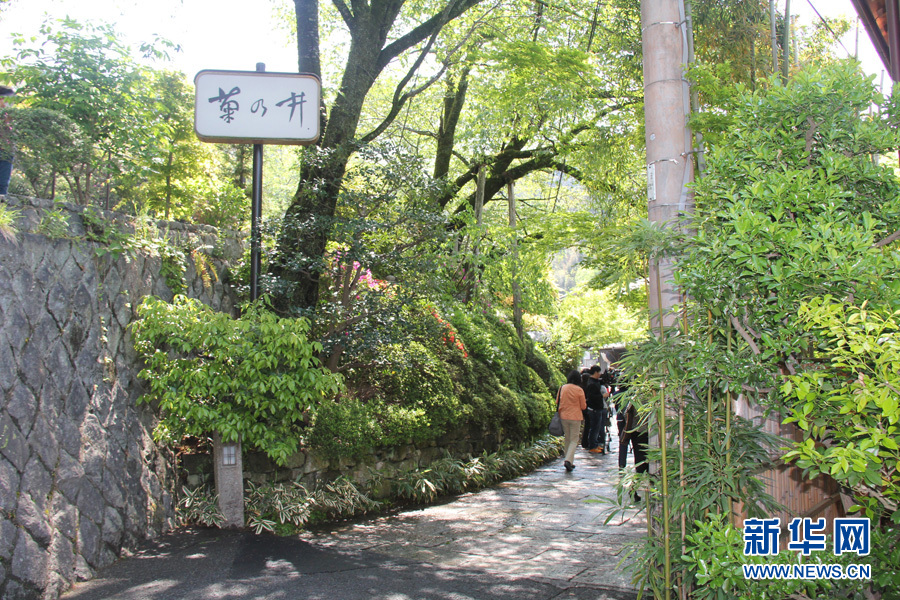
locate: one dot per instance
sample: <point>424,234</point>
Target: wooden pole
<point>670,169</point>
<point>517,293</point>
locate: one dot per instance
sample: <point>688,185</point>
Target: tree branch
<point>397,106</point>
<point>743,333</point>
<point>454,9</point>
<point>346,15</point>
<point>888,240</point>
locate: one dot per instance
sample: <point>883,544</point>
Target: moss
<point>423,389</point>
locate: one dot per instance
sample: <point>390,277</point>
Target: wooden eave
<point>881,19</point>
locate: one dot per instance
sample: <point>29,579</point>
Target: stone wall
<point>80,476</point>
<point>310,469</point>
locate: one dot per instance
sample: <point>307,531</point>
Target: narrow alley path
<point>536,537</point>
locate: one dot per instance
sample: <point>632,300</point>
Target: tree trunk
<point>304,234</point>
<point>307,14</point>
<point>774,36</point>
<point>169,183</point>
<point>516,292</point>
<point>301,244</point>
<point>472,271</point>
<point>453,105</point>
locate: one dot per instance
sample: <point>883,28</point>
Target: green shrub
<point>8,217</point>
<point>468,371</point>
<point>418,398</point>
<point>54,223</point>
<point>344,428</point>
<point>253,378</point>
<point>713,558</point>
<point>540,363</point>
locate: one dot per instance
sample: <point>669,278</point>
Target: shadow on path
<point>535,537</point>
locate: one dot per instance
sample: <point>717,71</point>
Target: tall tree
<point>370,26</point>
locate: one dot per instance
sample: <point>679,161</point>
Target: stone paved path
<point>536,537</point>
<point>545,526</point>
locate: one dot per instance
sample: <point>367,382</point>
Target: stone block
<point>296,460</point>
<point>83,570</point>
<point>9,486</point>
<point>83,302</point>
<point>111,488</point>
<point>43,441</point>
<point>60,565</point>
<point>15,591</point>
<point>29,560</point>
<point>31,362</point>
<point>112,282</point>
<point>89,541</point>
<point>19,329</point>
<point>7,539</point>
<point>37,481</point>
<point>94,442</point>
<point>90,503</point>
<point>8,374</point>
<point>30,515</point>
<point>59,303</point>
<point>12,443</point>
<point>22,285</point>
<point>57,359</point>
<point>76,404</point>
<point>63,516</point>
<point>67,432</point>
<point>69,477</point>
<point>113,527</point>
<point>22,407</point>
<point>56,584</point>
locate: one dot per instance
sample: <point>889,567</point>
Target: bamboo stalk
<point>681,446</point>
<point>709,402</point>
<point>728,427</point>
<point>664,467</point>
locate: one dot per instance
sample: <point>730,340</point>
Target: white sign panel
<point>256,107</point>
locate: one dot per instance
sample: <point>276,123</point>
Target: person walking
<point>595,414</point>
<point>7,145</point>
<point>636,433</point>
<point>572,403</point>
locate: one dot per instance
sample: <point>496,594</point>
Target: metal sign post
<point>245,107</point>
<point>235,107</point>
<point>256,213</point>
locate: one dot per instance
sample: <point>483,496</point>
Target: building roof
<point>881,19</point>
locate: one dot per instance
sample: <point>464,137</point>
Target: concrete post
<point>229,474</point>
<point>668,138</point>
<point>670,162</point>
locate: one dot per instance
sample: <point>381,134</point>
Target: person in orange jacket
<point>572,403</point>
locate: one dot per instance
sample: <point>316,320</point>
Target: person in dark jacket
<point>594,437</point>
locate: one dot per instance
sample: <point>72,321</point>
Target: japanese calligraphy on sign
<point>256,107</point>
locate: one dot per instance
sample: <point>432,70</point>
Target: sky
<point>236,34</point>
<point>213,34</point>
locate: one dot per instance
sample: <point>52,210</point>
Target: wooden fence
<point>801,497</point>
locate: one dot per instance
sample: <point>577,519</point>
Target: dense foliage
<point>466,373</point>
<point>92,124</point>
<point>792,230</point>
<point>252,378</point>
<point>257,378</point>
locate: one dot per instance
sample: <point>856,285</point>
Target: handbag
<point>555,427</point>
